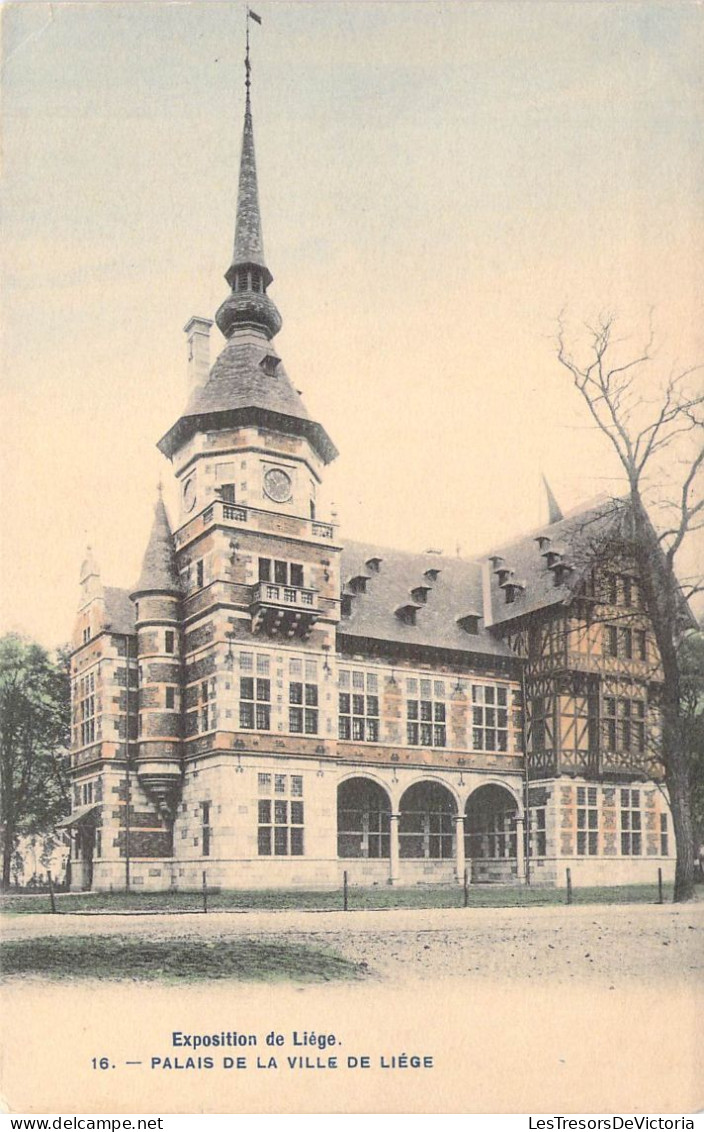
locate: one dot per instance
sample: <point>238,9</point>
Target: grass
<point>420,896</point>
<point>173,960</point>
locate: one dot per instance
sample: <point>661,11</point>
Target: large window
<point>538,831</point>
<point>358,706</point>
<point>303,696</point>
<point>624,724</point>
<point>363,819</point>
<point>426,713</point>
<point>631,823</point>
<point>489,717</point>
<point>280,572</point>
<point>280,815</point>
<point>426,823</point>
<point>255,703</point>
<point>587,821</point>
<point>86,708</point>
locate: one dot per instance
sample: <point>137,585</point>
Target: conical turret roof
<point>159,571</point>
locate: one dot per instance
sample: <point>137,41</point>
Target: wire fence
<point>50,899</point>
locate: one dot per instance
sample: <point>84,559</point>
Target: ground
<point>549,1009</point>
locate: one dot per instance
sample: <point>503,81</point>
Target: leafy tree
<point>35,719</point>
<point>655,428</point>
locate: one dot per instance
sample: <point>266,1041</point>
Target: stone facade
<point>272,705</point>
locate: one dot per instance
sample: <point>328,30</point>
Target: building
<point>274,705</point>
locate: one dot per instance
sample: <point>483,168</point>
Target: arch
<point>426,829</point>
<point>490,823</point>
<point>363,818</point>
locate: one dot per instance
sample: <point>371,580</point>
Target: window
<point>86,708</point>
<point>205,829</point>
<point>86,635</point>
<point>640,644</point>
<point>199,574</point>
<point>87,793</point>
<point>227,493</point>
<point>538,831</point>
<point>359,713</point>
<point>489,717</point>
<point>631,841</point>
<point>587,821</point>
<point>207,709</point>
<point>255,703</point>
<point>619,642</point>
<point>303,709</point>
<point>664,840</point>
<point>624,724</point>
<point>171,697</point>
<point>284,573</point>
<point>280,818</point>
<point>426,713</point>
<point>169,640</point>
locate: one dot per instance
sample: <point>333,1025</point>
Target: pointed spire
<point>89,567</point>
<point>554,511</point>
<point>159,573</point>
<point>248,307</point>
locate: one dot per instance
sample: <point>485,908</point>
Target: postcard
<point>332,660</point>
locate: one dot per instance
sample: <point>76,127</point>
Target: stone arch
<point>427,813</point>
<point>363,818</point>
<point>491,830</point>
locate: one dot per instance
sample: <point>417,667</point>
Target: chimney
<point>198,331</point>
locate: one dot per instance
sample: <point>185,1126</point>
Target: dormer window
<point>503,574</point>
<point>374,564</point>
<point>511,589</point>
<point>469,623</point>
<point>561,571</point>
<point>358,584</point>
<point>270,364</point>
<point>496,561</point>
<point>432,574</point>
<point>420,594</point>
<point>407,614</point>
<point>543,541</point>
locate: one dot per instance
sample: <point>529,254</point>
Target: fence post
<point>205,892</point>
<point>344,891</point>
<point>569,886</point>
<point>466,888</point>
<point>659,886</point>
<point>52,898</point>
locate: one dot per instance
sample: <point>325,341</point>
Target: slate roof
<point>578,537</point>
<point>159,572</point>
<point>249,244</point>
<point>456,592</point>
<point>238,391</point>
<point>119,610</point>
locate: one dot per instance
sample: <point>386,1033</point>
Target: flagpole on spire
<point>247,65</point>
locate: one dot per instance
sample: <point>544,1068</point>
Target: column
<point>520,848</point>
<point>393,848</point>
<point>459,847</point>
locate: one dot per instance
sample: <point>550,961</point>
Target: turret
<point>157,611</point>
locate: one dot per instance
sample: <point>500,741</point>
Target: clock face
<point>277,485</point>
<point>189,494</point>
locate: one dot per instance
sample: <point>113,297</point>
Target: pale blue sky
<point>437,181</point>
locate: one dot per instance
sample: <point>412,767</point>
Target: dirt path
<point>609,944</point>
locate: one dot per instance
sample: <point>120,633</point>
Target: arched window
<point>363,819</point>
<point>427,822</point>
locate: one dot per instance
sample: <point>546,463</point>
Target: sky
<point>438,181</point>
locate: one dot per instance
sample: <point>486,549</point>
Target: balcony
<point>239,516</point>
<point>287,611</point>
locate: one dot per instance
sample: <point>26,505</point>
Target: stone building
<point>275,705</point>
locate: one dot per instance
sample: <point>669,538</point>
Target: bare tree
<point>655,428</point>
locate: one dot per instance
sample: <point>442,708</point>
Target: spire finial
<point>247,65</point>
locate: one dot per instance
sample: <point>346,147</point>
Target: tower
<point>156,599</point>
<point>258,572</point>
